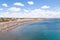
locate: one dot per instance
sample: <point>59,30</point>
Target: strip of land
<point>6,26</point>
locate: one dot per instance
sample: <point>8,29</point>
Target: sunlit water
<point>40,30</point>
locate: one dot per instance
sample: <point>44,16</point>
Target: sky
<point>30,8</point>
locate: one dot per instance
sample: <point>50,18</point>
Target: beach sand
<point>6,26</point>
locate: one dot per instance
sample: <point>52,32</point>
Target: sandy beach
<point>6,26</point>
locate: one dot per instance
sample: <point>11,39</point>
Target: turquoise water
<point>40,30</point>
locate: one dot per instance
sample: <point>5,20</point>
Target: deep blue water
<point>40,30</point>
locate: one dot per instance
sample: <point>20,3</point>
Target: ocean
<point>39,30</point>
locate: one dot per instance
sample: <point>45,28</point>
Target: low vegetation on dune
<point>7,19</point>
<point>12,19</point>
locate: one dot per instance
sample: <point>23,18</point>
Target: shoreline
<point>16,24</point>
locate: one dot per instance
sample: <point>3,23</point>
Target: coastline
<point>4,27</point>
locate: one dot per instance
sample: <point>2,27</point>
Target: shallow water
<point>40,30</point>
